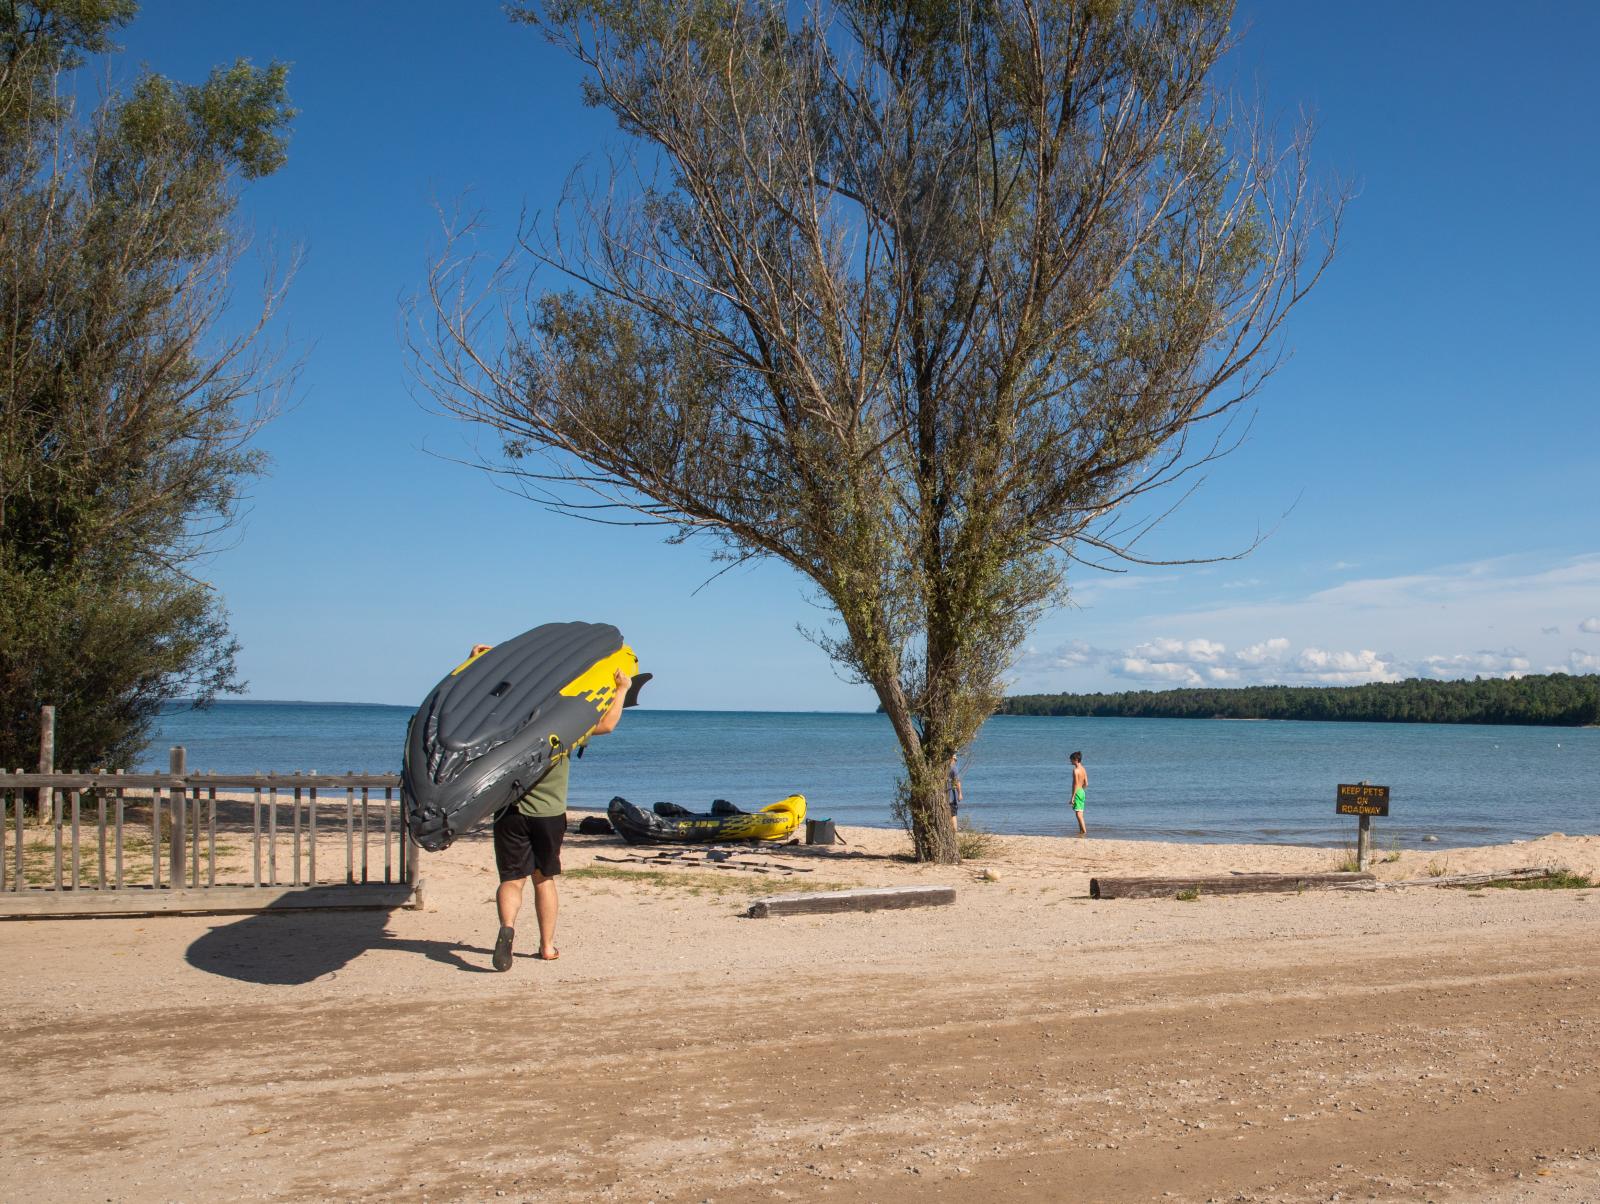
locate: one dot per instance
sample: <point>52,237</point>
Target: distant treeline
<point>1556,699</point>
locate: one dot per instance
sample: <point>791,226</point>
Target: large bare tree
<point>915,297</point>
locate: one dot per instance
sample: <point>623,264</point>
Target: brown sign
<point>1362,800</point>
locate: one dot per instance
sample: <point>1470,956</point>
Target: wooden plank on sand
<point>1224,884</point>
<point>869,899</point>
<point>137,901</point>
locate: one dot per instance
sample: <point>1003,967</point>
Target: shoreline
<point>1380,843</point>
<point>1030,853</point>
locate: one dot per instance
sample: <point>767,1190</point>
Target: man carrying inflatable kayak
<point>527,843</point>
<point>496,738</point>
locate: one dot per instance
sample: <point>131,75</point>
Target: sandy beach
<point>1027,1043</point>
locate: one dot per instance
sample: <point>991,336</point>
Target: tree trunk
<point>933,836</point>
<point>933,829</point>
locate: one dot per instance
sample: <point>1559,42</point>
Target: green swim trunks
<point>1077,799</point>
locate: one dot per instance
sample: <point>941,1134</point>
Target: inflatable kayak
<point>502,719</point>
<point>669,823</point>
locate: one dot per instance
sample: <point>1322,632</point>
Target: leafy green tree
<point>128,393</point>
<point>912,295</point>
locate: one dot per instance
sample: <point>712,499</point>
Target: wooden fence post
<point>176,766</point>
<point>47,759</point>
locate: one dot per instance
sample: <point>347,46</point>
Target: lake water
<point>1151,779</point>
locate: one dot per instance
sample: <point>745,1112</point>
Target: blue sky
<point>1426,460</point>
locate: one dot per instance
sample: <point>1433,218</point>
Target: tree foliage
<point>1556,700</point>
<point>125,407</point>
<point>912,296</point>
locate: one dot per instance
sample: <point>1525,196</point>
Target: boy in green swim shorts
<point>1080,782</point>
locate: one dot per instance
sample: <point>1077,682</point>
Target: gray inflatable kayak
<point>496,725</point>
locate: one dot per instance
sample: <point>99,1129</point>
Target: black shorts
<point>524,843</point>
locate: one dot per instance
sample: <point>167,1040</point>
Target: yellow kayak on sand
<point>669,823</point>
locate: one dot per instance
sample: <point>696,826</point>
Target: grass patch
<point>701,883</point>
<point>1188,896</point>
<point>974,844</point>
<point>1346,861</point>
<point>1557,880</point>
<point>1437,869</point>
<point>39,861</point>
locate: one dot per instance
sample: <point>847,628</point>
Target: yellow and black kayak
<point>669,823</point>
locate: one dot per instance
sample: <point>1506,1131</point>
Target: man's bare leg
<point>545,905</point>
<point>1082,830</point>
<point>507,901</point>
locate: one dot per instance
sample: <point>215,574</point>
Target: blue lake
<point>1153,779</point>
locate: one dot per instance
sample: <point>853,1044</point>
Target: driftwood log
<point>1224,884</point>
<point>871,899</point>
<point>1240,884</point>
<point>1526,874</point>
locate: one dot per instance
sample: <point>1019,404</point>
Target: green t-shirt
<point>549,797</point>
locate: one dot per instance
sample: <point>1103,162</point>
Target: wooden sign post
<point>1363,800</point>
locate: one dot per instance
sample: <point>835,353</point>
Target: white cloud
<point>1202,651</point>
<point>1506,663</point>
<point>1448,622</point>
<point>1486,585</point>
<point>1166,662</point>
<point>1265,653</point>
<point>1343,668</point>
<point>1198,662</point>
<point>1073,655</point>
<point>1184,662</point>
<point>1159,671</point>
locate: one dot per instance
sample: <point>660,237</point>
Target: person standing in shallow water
<point>1080,783</point>
<point>527,844</point>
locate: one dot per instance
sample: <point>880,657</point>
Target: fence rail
<point>109,832</point>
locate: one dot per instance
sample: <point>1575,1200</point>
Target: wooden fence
<point>121,843</point>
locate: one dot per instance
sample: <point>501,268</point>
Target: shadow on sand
<point>291,948</point>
